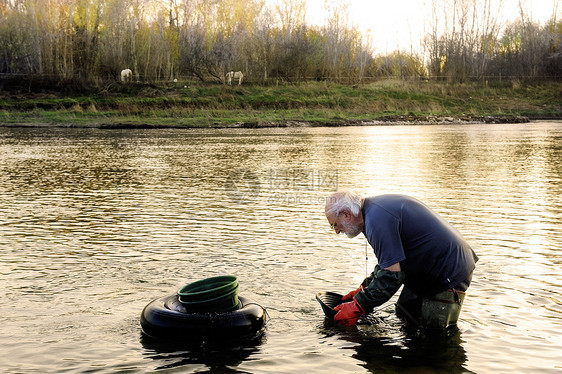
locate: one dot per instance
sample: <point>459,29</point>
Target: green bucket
<point>216,294</point>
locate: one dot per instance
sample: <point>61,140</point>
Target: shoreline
<point>310,104</point>
<point>396,120</point>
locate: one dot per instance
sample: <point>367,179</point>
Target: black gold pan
<point>328,301</point>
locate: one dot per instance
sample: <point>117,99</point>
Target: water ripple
<point>97,223</point>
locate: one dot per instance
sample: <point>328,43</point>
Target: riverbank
<point>192,105</point>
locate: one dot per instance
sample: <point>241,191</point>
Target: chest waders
<point>439,311</point>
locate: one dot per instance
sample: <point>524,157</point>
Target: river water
<point>96,223</point>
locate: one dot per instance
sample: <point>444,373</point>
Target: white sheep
<point>126,75</point>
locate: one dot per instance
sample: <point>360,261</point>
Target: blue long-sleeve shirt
<point>432,254</point>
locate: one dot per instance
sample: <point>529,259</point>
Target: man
<point>414,247</point>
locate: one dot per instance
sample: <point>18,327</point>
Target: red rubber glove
<point>352,294</point>
<point>348,313</point>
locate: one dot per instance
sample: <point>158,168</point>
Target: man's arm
<point>395,267</point>
<point>384,283</point>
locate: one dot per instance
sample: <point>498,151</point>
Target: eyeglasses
<point>334,225</point>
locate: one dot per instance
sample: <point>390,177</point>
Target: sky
<point>399,24</point>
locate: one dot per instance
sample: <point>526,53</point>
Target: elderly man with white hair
<point>414,247</point>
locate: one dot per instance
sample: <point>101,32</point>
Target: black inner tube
<point>167,318</point>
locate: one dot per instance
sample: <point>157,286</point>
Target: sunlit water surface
<point>96,223</point>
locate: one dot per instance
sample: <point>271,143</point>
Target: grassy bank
<point>198,105</point>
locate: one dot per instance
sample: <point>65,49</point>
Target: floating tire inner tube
<point>167,318</point>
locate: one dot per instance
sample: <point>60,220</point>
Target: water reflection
<point>221,357</point>
<point>436,354</point>
<point>383,344</point>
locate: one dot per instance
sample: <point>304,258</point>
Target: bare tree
<point>163,39</point>
<point>336,33</point>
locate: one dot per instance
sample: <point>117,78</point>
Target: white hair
<point>343,200</point>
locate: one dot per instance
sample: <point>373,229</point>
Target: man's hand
<point>348,313</point>
<point>352,294</point>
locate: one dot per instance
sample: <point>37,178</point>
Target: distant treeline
<point>93,40</point>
